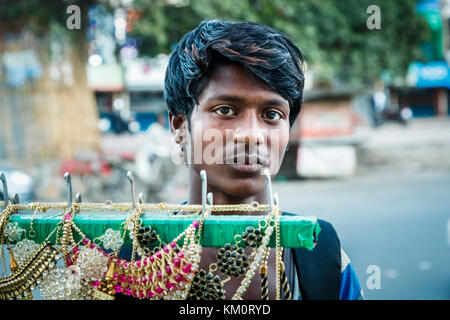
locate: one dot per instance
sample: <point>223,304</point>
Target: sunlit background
<point>81,91</point>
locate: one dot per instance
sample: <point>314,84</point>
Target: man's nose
<point>249,131</point>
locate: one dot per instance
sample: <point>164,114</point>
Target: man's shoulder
<point>319,269</point>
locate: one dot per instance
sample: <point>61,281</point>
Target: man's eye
<point>272,115</point>
<point>225,111</point>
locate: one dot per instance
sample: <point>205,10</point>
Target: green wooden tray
<point>295,231</point>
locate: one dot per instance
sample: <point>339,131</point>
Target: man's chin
<point>242,188</point>
<point>238,184</point>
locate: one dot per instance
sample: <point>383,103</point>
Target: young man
<point>238,86</point>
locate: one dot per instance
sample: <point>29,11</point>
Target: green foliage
<point>43,18</point>
<point>332,35</point>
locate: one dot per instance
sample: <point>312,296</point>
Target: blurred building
<point>129,96</point>
<point>128,88</point>
<point>425,88</point>
<point>323,140</point>
<point>46,108</point>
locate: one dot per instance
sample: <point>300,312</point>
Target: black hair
<point>268,54</point>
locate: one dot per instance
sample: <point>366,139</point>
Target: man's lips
<point>248,159</point>
<point>248,163</point>
<point>246,168</point>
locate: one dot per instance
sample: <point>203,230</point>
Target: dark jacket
<point>319,270</point>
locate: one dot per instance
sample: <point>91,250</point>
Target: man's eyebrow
<point>275,103</point>
<point>225,97</point>
<point>232,98</point>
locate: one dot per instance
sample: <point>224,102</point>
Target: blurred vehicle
<point>117,124</point>
<point>118,121</point>
<point>154,164</point>
<point>382,110</point>
<point>18,182</point>
<point>100,176</point>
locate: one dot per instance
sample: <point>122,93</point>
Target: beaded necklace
<point>92,270</point>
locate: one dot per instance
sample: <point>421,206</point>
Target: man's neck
<point>220,198</point>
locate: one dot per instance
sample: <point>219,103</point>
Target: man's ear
<point>178,127</point>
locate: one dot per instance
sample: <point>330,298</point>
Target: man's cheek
<point>274,151</point>
<point>197,142</point>
<point>213,146</point>
<point>207,144</point>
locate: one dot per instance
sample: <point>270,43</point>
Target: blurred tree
<point>333,35</point>
<point>43,84</point>
<point>40,17</point>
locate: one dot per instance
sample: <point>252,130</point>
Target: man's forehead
<point>233,82</point>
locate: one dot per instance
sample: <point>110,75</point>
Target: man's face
<point>239,127</point>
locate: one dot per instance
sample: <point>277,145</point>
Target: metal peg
<point>133,190</point>
<point>5,189</point>
<point>204,185</point>
<point>209,199</point>
<point>276,200</point>
<point>269,188</point>
<point>69,189</point>
<point>15,199</point>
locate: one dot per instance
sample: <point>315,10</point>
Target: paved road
<point>397,220</point>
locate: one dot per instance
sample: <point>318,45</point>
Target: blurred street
<point>395,218</point>
<point>424,142</point>
<point>394,213</point>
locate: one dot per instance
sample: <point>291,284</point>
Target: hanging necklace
<point>233,261</point>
